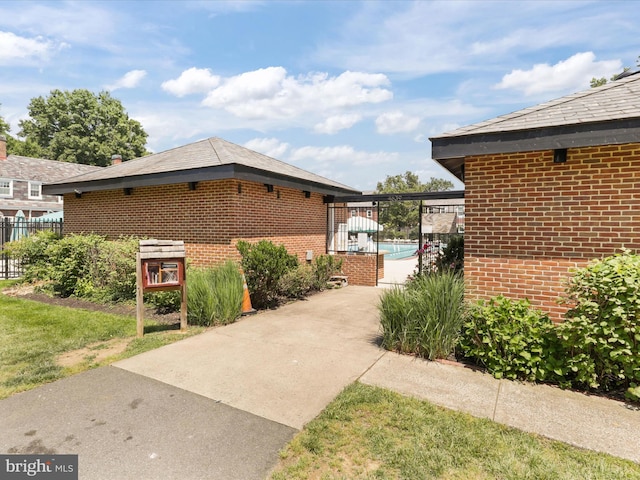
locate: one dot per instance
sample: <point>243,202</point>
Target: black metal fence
<point>12,229</point>
<point>426,234</point>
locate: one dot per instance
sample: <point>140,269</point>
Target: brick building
<point>22,178</point>
<point>547,189</point>
<point>210,194</point>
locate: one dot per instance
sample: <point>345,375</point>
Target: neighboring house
<point>210,194</point>
<point>443,216</point>
<point>547,189</point>
<point>22,178</point>
<point>364,209</point>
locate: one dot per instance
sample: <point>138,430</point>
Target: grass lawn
<point>373,433</point>
<point>34,335</point>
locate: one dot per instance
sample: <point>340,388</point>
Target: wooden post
<point>183,308</point>
<point>139,298</point>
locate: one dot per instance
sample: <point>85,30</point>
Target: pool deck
<point>397,271</point>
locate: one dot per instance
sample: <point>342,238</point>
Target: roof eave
<point>547,138</point>
<point>222,172</point>
<point>449,151</point>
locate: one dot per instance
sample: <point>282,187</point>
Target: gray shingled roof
<point>210,159</point>
<point>615,100</point>
<point>16,167</point>
<point>606,115</point>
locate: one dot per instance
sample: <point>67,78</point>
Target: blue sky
<point>346,89</point>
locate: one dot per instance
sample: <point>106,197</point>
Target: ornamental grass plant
<point>214,295</point>
<point>425,317</point>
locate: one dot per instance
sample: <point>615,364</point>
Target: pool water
<point>398,251</point>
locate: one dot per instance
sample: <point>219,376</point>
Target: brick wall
<point>528,220</point>
<point>210,219</point>
<point>362,269</point>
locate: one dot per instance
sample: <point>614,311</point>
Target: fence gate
<point>14,229</point>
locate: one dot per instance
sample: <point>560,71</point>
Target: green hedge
<point>597,346</point>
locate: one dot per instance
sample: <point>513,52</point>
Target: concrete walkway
<point>220,405</point>
<point>284,365</point>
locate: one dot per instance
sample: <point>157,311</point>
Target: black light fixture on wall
<point>560,155</point>
<point>269,187</point>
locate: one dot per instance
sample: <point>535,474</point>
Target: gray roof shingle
<point>615,100</point>
<point>204,154</point>
<point>16,167</point>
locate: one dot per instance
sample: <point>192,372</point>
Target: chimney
<point>116,159</point>
<point>3,147</point>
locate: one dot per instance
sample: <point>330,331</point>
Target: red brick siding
<point>528,220</point>
<point>210,219</point>
<point>361,269</point>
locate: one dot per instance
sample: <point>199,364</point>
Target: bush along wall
<point>86,266</point>
<point>597,347</point>
<point>275,276</point>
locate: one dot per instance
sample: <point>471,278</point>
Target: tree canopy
<point>405,216</point>
<point>82,127</point>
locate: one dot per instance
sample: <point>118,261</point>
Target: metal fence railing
<point>12,229</point>
<point>428,233</point>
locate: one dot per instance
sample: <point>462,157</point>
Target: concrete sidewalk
<point>590,422</point>
<point>284,365</point>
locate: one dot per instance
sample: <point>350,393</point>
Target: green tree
<point>405,216</point>
<point>81,127</point>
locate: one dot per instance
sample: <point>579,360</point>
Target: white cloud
<point>344,155</point>
<point>336,123</point>
<point>396,122</point>
<point>404,39</point>
<point>268,146</point>
<point>270,93</point>
<point>16,50</point>
<point>568,75</point>
<point>129,80</point>
<point>193,80</point>
<point>75,22</point>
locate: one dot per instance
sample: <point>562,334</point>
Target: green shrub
<point>214,295</point>
<point>165,301</point>
<point>425,317</point>
<point>113,272</point>
<point>508,337</point>
<point>601,333</point>
<point>298,282</point>
<point>324,267</point>
<point>86,266</point>
<point>264,263</point>
<point>31,251</point>
<point>71,260</point>
<point>452,257</point>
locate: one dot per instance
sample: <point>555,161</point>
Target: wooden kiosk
<point>160,266</point>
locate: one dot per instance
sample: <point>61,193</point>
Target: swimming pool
<point>397,251</point>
